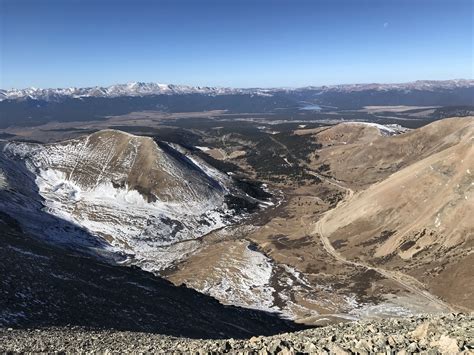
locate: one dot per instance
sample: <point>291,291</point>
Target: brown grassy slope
<point>360,155</point>
<point>420,219</point>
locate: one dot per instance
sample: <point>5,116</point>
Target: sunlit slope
<point>361,154</point>
<point>418,219</point>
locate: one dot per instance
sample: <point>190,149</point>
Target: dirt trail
<point>349,192</point>
<point>408,282</point>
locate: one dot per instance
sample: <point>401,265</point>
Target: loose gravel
<point>430,334</point>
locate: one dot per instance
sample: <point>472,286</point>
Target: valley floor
<point>282,261</point>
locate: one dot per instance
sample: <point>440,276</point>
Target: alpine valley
<point>205,212</point>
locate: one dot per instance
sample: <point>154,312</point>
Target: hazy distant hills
<point>34,106</point>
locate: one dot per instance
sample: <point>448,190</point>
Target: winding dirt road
<point>408,282</point>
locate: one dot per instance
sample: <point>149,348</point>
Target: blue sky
<point>62,43</point>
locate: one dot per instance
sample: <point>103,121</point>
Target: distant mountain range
<point>33,107</point>
<point>134,89</point>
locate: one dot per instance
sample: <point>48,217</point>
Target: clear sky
<point>239,43</point>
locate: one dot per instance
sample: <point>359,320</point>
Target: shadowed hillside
<point>43,286</point>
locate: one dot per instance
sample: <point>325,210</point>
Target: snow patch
<point>385,130</point>
<point>3,181</point>
<point>204,149</point>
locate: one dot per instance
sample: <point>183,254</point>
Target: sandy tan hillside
<point>360,155</point>
<point>420,218</point>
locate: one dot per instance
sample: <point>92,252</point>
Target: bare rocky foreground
<point>447,334</point>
